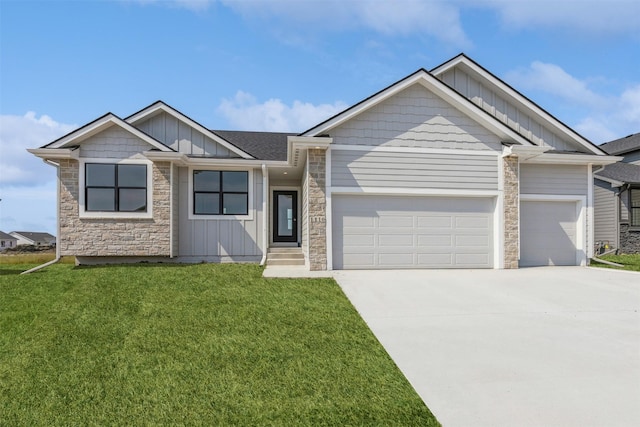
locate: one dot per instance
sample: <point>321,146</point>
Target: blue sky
<point>287,65</point>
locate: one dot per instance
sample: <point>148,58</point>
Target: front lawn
<point>630,262</point>
<point>201,344</point>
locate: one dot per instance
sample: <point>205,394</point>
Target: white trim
<point>581,220</point>
<point>161,106</point>
<point>55,153</point>
<point>250,184</point>
<point>101,125</point>
<point>414,191</point>
<point>171,210</point>
<point>389,149</point>
<point>328,210</point>
<point>298,191</point>
<point>519,98</point>
<point>498,219</point>
<point>265,213</point>
<point>550,157</point>
<point>83,213</point>
<point>590,213</point>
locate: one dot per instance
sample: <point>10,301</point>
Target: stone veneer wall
<point>114,237</point>
<point>511,212</point>
<point>317,208</point>
<point>629,240</point>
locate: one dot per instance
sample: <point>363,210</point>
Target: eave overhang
<point>55,153</point>
<point>180,159</point>
<point>572,159</point>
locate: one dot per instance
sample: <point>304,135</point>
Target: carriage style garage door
<point>547,233</point>
<point>412,232</point>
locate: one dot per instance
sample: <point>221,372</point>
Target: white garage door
<point>547,233</point>
<point>412,232</point>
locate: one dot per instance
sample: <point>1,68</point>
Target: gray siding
<point>553,179</point>
<point>413,170</point>
<point>415,118</point>
<point>506,110</point>
<point>624,207</point>
<point>225,239</point>
<point>605,213</point>
<point>113,143</point>
<point>181,137</point>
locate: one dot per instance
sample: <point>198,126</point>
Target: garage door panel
<point>548,233</point>
<point>412,232</point>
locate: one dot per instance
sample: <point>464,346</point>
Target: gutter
<point>265,213</point>
<point>58,256</point>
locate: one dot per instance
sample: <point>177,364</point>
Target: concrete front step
<point>286,261</point>
<point>284,256</point>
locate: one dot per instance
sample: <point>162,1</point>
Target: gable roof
<point>261,145</point>
<point>438,87</point>
<point>478,69</point>
<point>622,145</point>
<point>5,236</point>
<point>34,236</point>
<point>624,173</point>
<point>100,124</point>
<point>160,106</point>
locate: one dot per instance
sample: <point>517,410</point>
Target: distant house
<point>617,197</point>
<point>7,241</point>
<point>33,238</point>
<point>448,168</point>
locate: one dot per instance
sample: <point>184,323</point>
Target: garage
<point>548,233</point>
<point>389,232</point>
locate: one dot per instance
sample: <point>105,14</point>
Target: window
<point>115,187</point>
<point>2,243</point>
<point>220,192</point>
<point>634,206</point>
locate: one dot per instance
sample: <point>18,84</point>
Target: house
<point>7,241</point>
<point>617,197</point>
<point>448,168</point>
<point>33,238</point>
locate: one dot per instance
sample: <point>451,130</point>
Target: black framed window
<point>115,187</point>
<point>220,192</point>
<point>634,206</point>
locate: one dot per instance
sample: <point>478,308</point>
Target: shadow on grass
<point>10,272</point>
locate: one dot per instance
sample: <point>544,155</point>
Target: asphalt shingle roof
<point>261,145</point>
<point>622,145</point>
<point>623,172</point>
<point>35,236</point>
<point>5,236</point>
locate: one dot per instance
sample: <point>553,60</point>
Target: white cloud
<point>244,112</point>
<point>588,16</point>
<point>17,133</point>
<point>600,116</point>
<point>553,79</point>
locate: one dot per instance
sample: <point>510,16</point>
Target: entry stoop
<point>285,256</point>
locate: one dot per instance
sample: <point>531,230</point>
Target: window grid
<point>116,189</point>
<point>219,195</point>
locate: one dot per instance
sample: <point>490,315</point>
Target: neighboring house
<point>7,241</point>
<point>34,238</point>
<point>448,168</point>
<point>617,197</point>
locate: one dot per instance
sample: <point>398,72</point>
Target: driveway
<point>546,346</point>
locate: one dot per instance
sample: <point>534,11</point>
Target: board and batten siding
<point>553,179</point>
<point>605,213</point>
<point>182,137</point>
<point>415,117</point>
<point>350,168</point>
<point>499,105</point>
<point>220,239</point>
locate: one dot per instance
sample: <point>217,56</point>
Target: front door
<point>285,216</point>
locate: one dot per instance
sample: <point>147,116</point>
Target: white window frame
<point>250,184</point>
<point>84,213</point>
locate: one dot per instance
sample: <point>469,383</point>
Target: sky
<point>285,65</point>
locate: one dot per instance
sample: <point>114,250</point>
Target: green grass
<point>200,344</point>
<point>630,262</point>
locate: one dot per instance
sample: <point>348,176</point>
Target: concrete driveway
<point>548,346</point>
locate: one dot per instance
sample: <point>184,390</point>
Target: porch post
<point>317,210</point>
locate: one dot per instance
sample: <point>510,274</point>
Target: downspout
<point>58,257</point>
<point>265,213</point>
